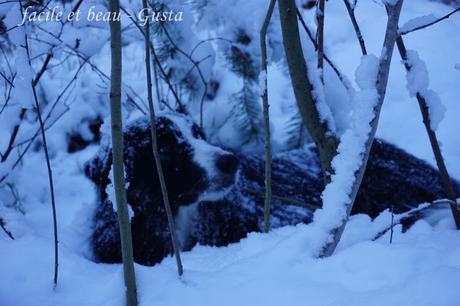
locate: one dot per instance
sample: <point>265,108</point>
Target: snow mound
<point>420,267</point>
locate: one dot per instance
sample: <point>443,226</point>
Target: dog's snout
<point>227,164</point>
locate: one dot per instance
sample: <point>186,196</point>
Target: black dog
<point>198,177</point>
<point>193,169</point>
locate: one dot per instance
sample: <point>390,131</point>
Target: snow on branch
<point>422,22</point>
<point>351,151</point>
<point>350,161</point>
<point>418,82</point>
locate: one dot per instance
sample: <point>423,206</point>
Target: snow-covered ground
<point>420,267</point>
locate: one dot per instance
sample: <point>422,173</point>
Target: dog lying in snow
<point>217,196</point>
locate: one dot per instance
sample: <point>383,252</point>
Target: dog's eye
<point>197,132</point>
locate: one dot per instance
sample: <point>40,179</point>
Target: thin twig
<point>156,155</point>
<point>351,13</point>
<point>48,162</point>
<point>14,134</point>
<point>197,66</point>
<point>392,223</point>
<point>6,79</point>
<point>320,35</point>
<point>7,232</point>
<point>51,184</point>
<point>43,68</point>
<point>181,107</point>
<point>346,83</point>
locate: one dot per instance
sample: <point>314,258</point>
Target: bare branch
<point>351,13</point>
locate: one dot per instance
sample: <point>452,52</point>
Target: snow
<point>417,78</point>
<point>336,195</point>
<point>420,267</point>
<point>436,109</point>
<point>263,81</point>
<point>319,96</point>
<point>418,82</point>
<point>417,23</point>
<point>366,73</point>
<point>22,91</point>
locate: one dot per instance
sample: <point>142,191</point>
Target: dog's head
<point>193,169</point>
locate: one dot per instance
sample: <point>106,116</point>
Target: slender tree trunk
<point>391,34</point>
<point>156,155</point>
<point>268,149</point>
<point>445,178</point>
<point>117,153</point>
<point>324,138</point>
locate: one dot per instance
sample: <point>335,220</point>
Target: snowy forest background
<point>207,66</point>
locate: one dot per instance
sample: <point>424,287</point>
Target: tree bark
<point>324,138</point>
<point>117,154</point>
<point>359,36</point>
<point>268,149</point>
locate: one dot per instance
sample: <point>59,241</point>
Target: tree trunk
<point>117,153</point>
<point>322,135</point>
<point>268,149</point>
<point>391,34</point>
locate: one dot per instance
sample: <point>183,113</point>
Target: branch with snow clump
<point>422,22</point>
<point>353,151</point>
<point>425,110</point>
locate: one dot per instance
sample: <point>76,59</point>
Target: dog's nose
<point>227,164</point>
